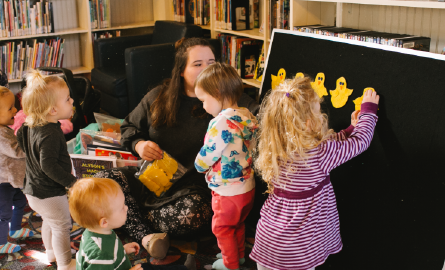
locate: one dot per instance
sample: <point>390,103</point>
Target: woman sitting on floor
<point>170,118</point>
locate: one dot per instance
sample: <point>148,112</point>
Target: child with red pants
<point>227,158</point>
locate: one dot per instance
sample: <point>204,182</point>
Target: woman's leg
<point>186,215</point>
<point>136,225</point>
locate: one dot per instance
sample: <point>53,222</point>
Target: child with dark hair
<point>227,157</point>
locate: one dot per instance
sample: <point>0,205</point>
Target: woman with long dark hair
<point>170,118</point>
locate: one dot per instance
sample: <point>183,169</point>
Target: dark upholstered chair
<point>112,68</point>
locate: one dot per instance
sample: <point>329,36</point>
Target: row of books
<point>17,57</point>
<point>20,18</point>
<point>279,14</point>
<point>100,14</point>
<point>192,11</point>
<point>231,14</point>
<point>389,39</point>
<point>241,53</point>
<point>106,34</point>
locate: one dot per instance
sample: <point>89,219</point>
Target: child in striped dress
<point>299,226</point>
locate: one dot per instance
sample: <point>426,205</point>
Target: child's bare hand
<point>132,247</point>
<point>371,96</point>
<point>354,117</point>
<point>136,267</point>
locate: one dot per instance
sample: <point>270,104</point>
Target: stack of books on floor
<point>241,53</point>
<point>100,14</point>
<point>19,18</point>
<point>383,38</point>
<point>192,11</point>
<point>17,57</point>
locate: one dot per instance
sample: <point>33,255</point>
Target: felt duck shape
<point>340,95</point>
<point>276,80</point>
<point>358,101</point>
<point>299,75</point>
<point>318,85</point>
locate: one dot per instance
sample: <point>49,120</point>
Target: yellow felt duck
<point>340,95</point>
<point>318,85</point>
<point>276,80</point>
<point>358,101</point>
<point>299,75</point>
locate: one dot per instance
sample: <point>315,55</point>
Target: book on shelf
<point>234,55</point>
<point>192,11</point>
<point>26,17</point>
<point>279,14</point>
<point>17,57</point>
<point>231,12</point>
<point>383,38</point>
<point>259,69</point>
<point>100,15</point>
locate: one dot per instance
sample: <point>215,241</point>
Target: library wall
<point>131,12</point>
<point>65,15</point>
<point>310,12</point>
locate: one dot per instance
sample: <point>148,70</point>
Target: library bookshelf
<point>420,18</point>
<point>72,23</point>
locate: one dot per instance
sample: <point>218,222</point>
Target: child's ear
<point>103,223</point>
<point>53,111</point>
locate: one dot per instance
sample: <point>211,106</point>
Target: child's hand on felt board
<point>354,117</point>
<point>371,96</point>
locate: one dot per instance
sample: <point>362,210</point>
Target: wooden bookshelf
<point>72,23</point>
<point>252,82</point>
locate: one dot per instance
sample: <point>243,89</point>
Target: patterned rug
<point>33,257</point>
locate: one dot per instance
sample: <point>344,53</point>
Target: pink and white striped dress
<point>299,225</point>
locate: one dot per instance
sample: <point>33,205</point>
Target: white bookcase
<point>72,22</point>
<point>420,18</point>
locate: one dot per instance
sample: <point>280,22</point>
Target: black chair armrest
<point>146,67</point>
<point>109,53</point>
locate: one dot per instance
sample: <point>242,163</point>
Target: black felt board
<point>391,198</point>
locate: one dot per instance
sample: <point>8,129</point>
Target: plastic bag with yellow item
<point>159,175</point>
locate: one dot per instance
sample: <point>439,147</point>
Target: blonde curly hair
<point>39,96</point>
<point>290,125</point>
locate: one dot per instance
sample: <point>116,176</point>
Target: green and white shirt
<point>101,251</point>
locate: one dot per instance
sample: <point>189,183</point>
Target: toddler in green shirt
<point>98,205</point>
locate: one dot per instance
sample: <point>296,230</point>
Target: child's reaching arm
<point>334,153</point>
<point>345,133</point>
<point>217,137</point>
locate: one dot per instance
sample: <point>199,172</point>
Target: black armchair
<point>111,70</point>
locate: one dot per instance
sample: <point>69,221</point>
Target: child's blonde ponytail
<point>38,97</point>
